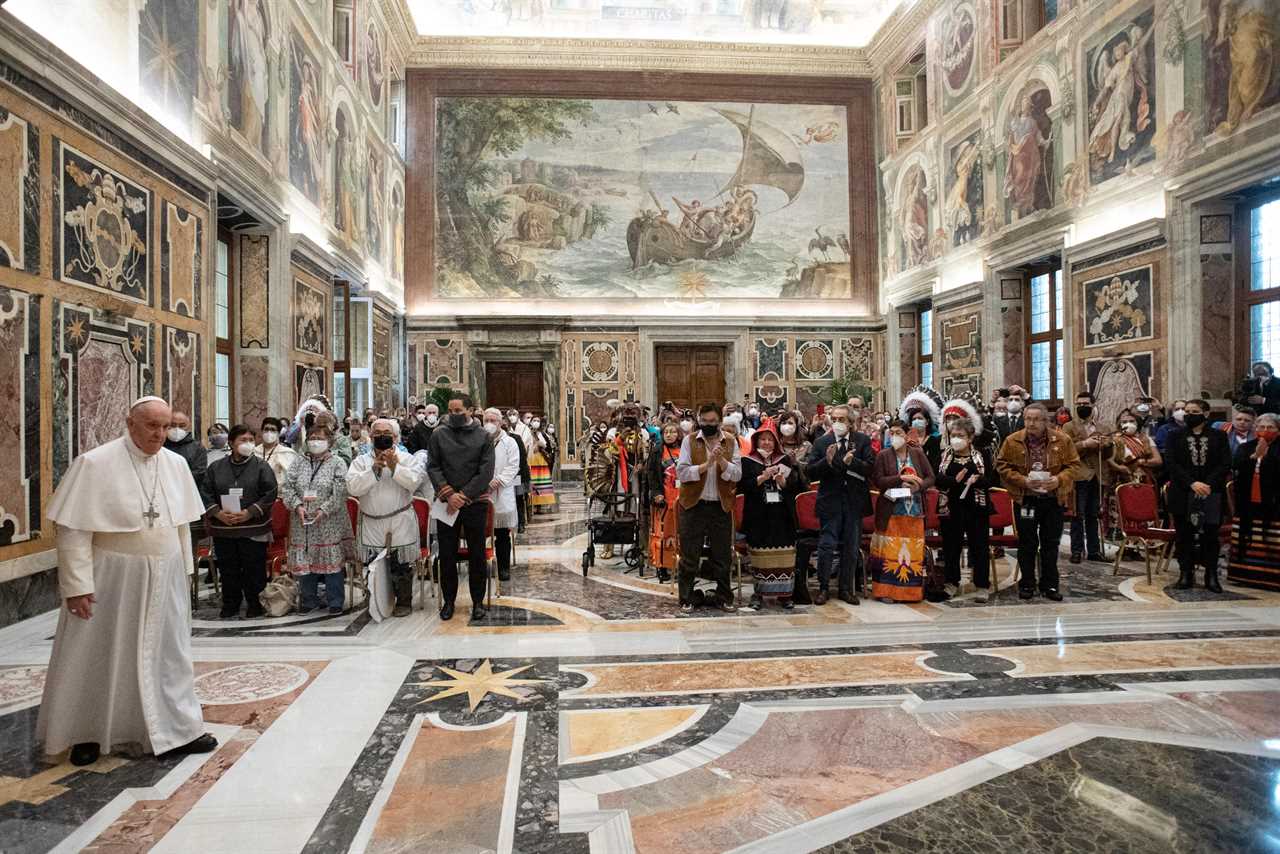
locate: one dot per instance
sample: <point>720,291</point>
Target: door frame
<point>479,356</point>
<point>546,404</point>
<point>734,342</point>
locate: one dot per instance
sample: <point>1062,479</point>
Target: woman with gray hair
<point>1255,530</point>
<point>966,474</point>
<point>320,540</point>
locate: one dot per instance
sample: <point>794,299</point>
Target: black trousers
<point>841,531</point>
<point>969,525</point>
<point>242,565</point>
<point>470,524</point>
<point>705,522</point>
<point>1191,553</point>
<point>502,547</point>
<point>1084,527</point>
<point>1039,536</point>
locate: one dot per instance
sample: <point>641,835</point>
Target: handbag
<point>280,596</point>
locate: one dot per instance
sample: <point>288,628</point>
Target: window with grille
<point>1045,316</point>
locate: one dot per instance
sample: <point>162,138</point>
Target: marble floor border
<point>365,832</point>
<point>856,818</point>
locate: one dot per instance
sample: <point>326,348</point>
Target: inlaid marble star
<point>76,330</point>
<point>477,685</point>
<point>135,343</point>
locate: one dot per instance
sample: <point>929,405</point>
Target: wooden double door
<point>690,375</point>
<point>514,385</point>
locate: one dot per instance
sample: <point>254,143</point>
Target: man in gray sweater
<point>460,465</point>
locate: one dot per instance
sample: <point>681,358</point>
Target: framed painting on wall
<point>1119,308</point>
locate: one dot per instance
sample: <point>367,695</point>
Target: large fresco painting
<point>248,69</point>
<point>306,120</point>
<point>1122,98</point>
<point>1241,62</point>
<point>600,198</point>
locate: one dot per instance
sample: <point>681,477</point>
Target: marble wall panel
<point>20,193</point>
<point>20,432</point>
<point>1117,380</point>
<point>310,318</point>
<point>104,227</point>
<point>593,368</point>
<point>255,291</point>
<point>908,356</point>
<point>383,358</point>
<point>857,358</point>
<point>815,359</point>
<point>771,358</point>
<point>308,381</point>
<point>959,348</point>
<point>1013,337</point>
<point>1216,355</point>
<point>103,364</point>
<point>253,388</point>
<point>181,262</point>
<point>601,361</point>
<point>182,376</point>
<point>443,362</point>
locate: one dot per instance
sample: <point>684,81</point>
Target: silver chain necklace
<point>151,515</point>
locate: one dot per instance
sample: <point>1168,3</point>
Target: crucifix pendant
<point>151,515</point>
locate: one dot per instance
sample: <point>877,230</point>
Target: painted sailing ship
<point>770,158</point>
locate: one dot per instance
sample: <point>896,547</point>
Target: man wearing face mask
<point>1198,464</point>
<point>1143,410</point>
<point>178,439</point>
<point>425,420</point>
<point>1093,447</point>
<point>841,460</point>
<point>1260,390</point>
<point>707,471</point>
<point>461,467</point>
<point>1171,425</point>
<point>686,422</point>
<point>384,480</point>
<point>218,449</point>
<point>276,454</point>
<point>240,490</point>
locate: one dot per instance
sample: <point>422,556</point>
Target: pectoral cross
<point>151,515</point>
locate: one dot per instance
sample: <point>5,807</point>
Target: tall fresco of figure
<point>248,71</point>
<point>1122,99</point>
<point>306,121</point>
<point>599,198</point>
<point>1242,74</point>
<point>1029,172</point>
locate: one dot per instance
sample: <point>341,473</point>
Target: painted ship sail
<point>769,159</point>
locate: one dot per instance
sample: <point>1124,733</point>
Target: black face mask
<point>709,430</point>
<point>1084,411</point>
<point>458,419</point>
<point>629,422</point>
<point>1193,419</point>
<point>382,443</point>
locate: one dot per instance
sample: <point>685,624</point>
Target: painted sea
<point>634,151</point>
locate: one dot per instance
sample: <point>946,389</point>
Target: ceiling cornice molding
<point>893,35</point>
<point>638,55</point>
<point>402,33</point>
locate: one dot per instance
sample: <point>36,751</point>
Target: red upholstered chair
<point>1001,520</point>
<point>932,522</point>
<point>278,550</point>
<point>355,574</point>
<point>1139,519</point>
<point>740,547</point>
<point>204,556</point>
<point>807,514</point>
<point>422,569</point>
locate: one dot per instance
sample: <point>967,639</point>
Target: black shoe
<point>85,753</point>
<point>504,575</point>
<point>1097,558</point>
<point>1186,579</point>
<point>1024,593</point>
<point>936,596</point>
<point>204,744</point>
<point>1211,581</point>
<point>1076,557</point>
<point>400,610</point>
<point>727,607</point>
<point>229,615</point>
<point>849,598</point>
<point>821,598</point>
<point>303,610</point>
<point>477,613</point>
<point>335,611</point>
<point>788,605</point>
<point>253,614</point>
<point>1052,593</point>
<point>446,611</point>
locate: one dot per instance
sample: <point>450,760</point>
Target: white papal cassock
<point>125,675</point>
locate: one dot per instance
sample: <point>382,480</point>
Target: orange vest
<point>691,491</point>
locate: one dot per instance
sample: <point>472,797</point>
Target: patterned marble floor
<point>584,715</point>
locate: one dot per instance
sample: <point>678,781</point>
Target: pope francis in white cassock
<point>121,669</point>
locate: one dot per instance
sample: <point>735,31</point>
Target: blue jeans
<point>841,523</point>
<point>334,589</point>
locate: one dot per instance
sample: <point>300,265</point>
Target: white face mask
<point>686,426</point>
<point>839,428</point>
<point>918,423</point>
<point>1129,427</point>
<point>787,429</point>
<point>1179,414</point>
<point>959,443</point>
<point>490,427</point>
<point>245,449</point>
<point>269,437</point>
<point>513,418</point>
<point>535,425</point>
<point>433,420</point>
<point>898,442</point>
<point>1015,406</point>
<point>176,434</point>
<point>317,446</point>
<point>420,417</point>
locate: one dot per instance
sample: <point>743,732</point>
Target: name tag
<point>310,494</point>
<point>773,498</point>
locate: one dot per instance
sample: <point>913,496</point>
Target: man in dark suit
<point>1198,464</point>
<point>1008,415</point>
<point>841,459</point>
<point>1260,390</point>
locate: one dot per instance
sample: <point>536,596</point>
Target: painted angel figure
<point>1121,75</point>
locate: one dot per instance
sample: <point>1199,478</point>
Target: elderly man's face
<point>1035,422</point>
<point>382,427</point>
<point>147,425</point>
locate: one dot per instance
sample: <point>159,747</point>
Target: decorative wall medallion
<point>105,228</point>
<point>1119,308</point>
<point>959,29</point>
<point>814,361</point>
<point>599,362</point>
<point>248,683</point>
